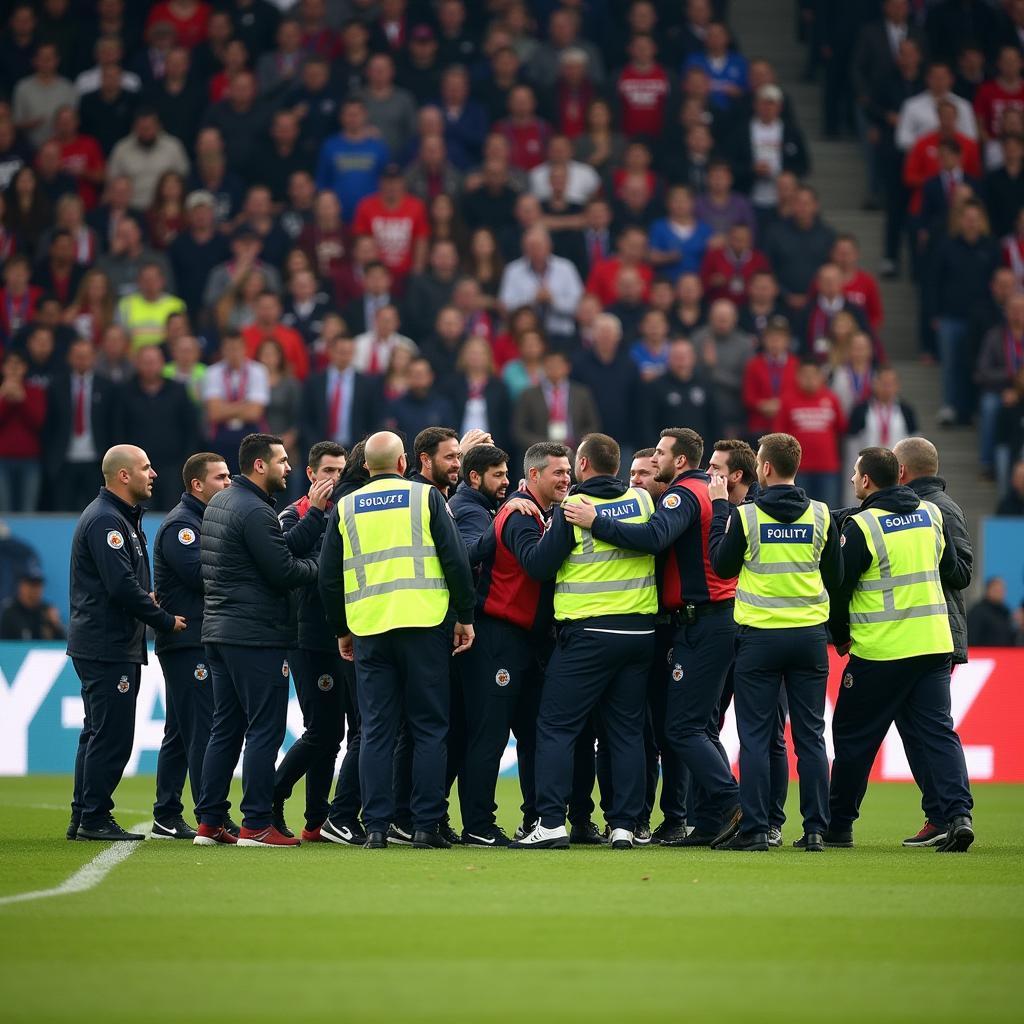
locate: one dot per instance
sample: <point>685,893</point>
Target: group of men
<point>435,613</point>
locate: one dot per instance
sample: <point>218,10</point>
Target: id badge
<point>558,431</point>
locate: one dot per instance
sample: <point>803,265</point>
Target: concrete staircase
<point>767,28</point>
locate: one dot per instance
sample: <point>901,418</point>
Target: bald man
<point>392,562</point>
<point>111,605</point>
<point>919,470</point>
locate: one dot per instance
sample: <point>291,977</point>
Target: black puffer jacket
<point>248,570</point>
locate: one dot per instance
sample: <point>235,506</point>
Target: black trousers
<point>347,802</point>
<point>250,704</point>
<point>75,486</point>
<point>404,671</point>
<point>766,661</point>
<point>914,692</point>
<point>188,700</point>
<point>319,678</point>
<point>110,690</point>
<point>591,669</point>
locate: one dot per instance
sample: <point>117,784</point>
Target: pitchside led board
<point>41,715</point>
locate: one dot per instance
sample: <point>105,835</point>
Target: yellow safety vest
<point>780,585</point>
<point>393,577</point>
<point>599,578</point>
<point>897,609</point>
<point>146,321</point>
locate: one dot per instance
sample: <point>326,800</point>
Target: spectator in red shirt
<point>22,413</point>
<point>769,377</point>
<point>643,89</point>
<point>631,252</point>
<point>18,298</point>
<point>726,270</point>
<point>859,286</point>
<point>996,96</point>
<point>80,156</point>
<point>189,19</point>
<point>923,162</point>
<point>527,134</point>
<point>268,326</point>
<point>813,415</point>
<point>397,222</point>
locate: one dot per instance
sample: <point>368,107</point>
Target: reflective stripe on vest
<point>780,584</point>
<point>389,552</point>
<point>897,609</point>
<point>599,578</point>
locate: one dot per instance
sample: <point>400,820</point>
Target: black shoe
<point>525,829</point>
<point>346,833</point>
<point>486,839</point>
<point>811,842</point>
<point>400,835</point>
<point>108,832</point>
<point>230,827</point>
<point>730,828</point>
<point>774,835</point>
<point>72,832</point>
<point>447,833</point>
<point>695,838</point>
<point>642,834</point>
<point>745,842</point>
<point>277,817</point>
<point>959,835</point>
<point>586,833</point>
<point>669,832</point>
<point>173,828</point>
<point>422,839</point>
<point>376,841</point>
<point>838,840</point>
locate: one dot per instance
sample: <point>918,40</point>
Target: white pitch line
<point>86,877</point>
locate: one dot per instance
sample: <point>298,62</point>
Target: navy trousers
<point>766,661</point>
<point>110,690</point>
<point>403,671</point>
<point>591,669</point>
<point>250,704</point>
<point>188,701</point>
<point>319,678</point>
<point>931,802</point>
<point>348,801</point>
<point>914,692</point>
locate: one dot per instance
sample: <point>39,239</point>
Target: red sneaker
<point>312,835</point>
<point>213,835</point>
<point>930,835</point>
<point>268,836</point>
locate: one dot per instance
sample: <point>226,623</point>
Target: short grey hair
<point>537,455</point>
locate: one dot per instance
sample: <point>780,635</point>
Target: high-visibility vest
<point>780,583</point>
<point>599,578</point>
<point>146,321</point>
<point>897,609</point>
<point>393,577</point>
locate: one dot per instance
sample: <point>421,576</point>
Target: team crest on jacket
<point>115,540</point>
<point>502,677</point>
<point>325,683</point>
<point>123,686</point>
<point>201,672</point>
<point>677,672</point>
<point>186,536</point>
<point>848,680</point>
<point>671,501</point>
<point>284,668</point>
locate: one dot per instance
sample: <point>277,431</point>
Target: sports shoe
<point>745,842</point>
<point>277,816</point>
<point>642,834</point>
<point>525,829</point>
<point>542,838</point>
<point>691,837</point>
<point>774,836</point>
<point>72,832</point>
<point>488,838</point>
<point>107,832</point>
<point>445,830</point>
<point>959,836</point>
<point>430,839</point>
<point>269,836</point>
<point>621,839</point>
<point>671,830</point>
<point>400,835</point>
<point>586,833</point>
<point>346,833</point>
<point>731,826</point>
<point>230,826</point>
<point>312,835</point>
<point>930,835</point>
<point>174,828</point>
<point>214,835</point>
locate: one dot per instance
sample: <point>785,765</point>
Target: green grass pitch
<point>177,933</point>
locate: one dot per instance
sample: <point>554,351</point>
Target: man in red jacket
<point>268,327</point>
<point>769,377</point>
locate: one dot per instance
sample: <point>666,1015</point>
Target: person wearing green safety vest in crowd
<point>392,561</point>
<point>785,549</point>
<point>605,602</point>
<point>891,615</point>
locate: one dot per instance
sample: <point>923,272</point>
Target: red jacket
<point>922,163</point>
<point>818,423</point>
<point>21,423</point>
<point>291,343</point>
<point>602,280</point>
<point>724,277</point>
<point>760,383</point>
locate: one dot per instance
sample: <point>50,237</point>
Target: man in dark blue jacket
<point>248,571</point>
<point>188,693</point>
<point>476,499</point>
<point>111,605</point>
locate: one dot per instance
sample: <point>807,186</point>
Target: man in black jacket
<point>476,499</point>
<point>248,571</point>
<point>111,605</point>
<point>338,404</point>
<point>188,692</point>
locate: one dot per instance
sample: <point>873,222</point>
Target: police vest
<point>147,321</point>
<point>599,578</point>
<point>393,577</point>
<point>897,609</point>
<point>780,583</point>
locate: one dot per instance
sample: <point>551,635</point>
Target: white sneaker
<point>542,838</point>
<point>622,839</point>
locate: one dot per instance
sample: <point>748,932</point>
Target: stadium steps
<point>767,28</point>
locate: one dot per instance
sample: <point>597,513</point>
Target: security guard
<point>701,605</point>
<point>248,572</point>
<point>314,664</point>
<point>188,689</point>
<point>111,605</point>
<point>606,600</point>
<point>391,561</point>
<point>891,614</point>
<point>785,548</point>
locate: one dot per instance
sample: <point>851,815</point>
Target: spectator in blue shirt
<point>678,241</point>
<point>726,69</point>
<point>350,162</point>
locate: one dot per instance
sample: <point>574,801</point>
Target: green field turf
<point>176,932</point>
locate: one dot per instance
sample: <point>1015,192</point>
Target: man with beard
<point>476,500</point>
